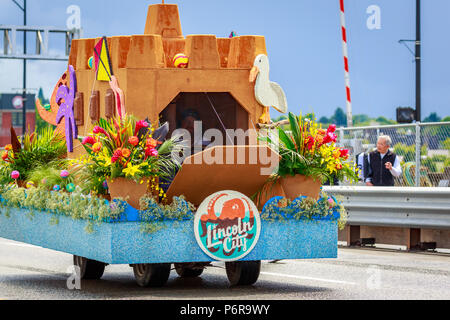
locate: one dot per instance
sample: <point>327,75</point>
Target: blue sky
<point>303,40</point>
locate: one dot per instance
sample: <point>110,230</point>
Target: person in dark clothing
<point>384,165</point>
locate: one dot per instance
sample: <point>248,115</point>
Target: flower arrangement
<point>307,149</point>
<point>305,208</point>
<point>41,149</point>
<point>125,148</point>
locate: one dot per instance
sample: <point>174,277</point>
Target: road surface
<point>29,272</point>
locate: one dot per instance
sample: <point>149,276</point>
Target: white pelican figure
<point>267,93</point>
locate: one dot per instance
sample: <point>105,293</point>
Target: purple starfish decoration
<point>65,98</point>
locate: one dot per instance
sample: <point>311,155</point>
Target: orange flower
<point>126,152</point>
<point>8,147</point>
<point>134,141</point>
<point>5,155</point>
<point>97,147</point>
<point>152,143</point>
<point>319,139</point>
<point>322,132</point>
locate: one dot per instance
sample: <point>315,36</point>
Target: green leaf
<point>295,128</point>
<point>285,139</point>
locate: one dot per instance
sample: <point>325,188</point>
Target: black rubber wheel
<point>151,274</point>
<point>186,272</point>
<point>243,273</point>
<point>89,269</point>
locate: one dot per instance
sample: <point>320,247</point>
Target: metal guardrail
<point>395,206</point>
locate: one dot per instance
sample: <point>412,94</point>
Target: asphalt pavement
<point>29,272</point>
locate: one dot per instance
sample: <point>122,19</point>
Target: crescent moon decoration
<point>104,72</point>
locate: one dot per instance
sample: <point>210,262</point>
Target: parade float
<point>107,185</point>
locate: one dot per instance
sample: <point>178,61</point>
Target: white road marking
<point>306,278</point>
<point>17,244</point>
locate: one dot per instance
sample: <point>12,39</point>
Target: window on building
<point>17,119</point>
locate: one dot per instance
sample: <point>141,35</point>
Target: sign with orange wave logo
<point>227,226</point>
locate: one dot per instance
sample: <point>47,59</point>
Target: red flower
<point>331,128</point>
<point>310,142</point>
<point>344,153</point>
<point>88,140</point>
<point>139,125</point>
<point>5,155</point>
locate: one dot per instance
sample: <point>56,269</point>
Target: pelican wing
<point>281,106</point>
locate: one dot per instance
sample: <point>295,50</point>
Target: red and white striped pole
<point>347,74</point>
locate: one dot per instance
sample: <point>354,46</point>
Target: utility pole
<point>418,63</point>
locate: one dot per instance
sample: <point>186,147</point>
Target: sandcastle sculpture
<point>215,83</point>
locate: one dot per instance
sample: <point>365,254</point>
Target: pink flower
<point>64,174</point>
<point>116,156</point>
<point>88,140</point>
<point>330,137</point>
<point>15,174</point>
<point>139,125</point>
<point>98,130</point>
<point>151,152</point>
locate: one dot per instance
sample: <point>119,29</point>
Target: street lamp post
<point>24,92</point>
<point>417,60</point>
<point>418,64</point>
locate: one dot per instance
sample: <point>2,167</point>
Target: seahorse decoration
<point>61,106</point>
<point>64,98</point>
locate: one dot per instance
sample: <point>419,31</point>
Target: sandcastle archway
<point>215,110</point>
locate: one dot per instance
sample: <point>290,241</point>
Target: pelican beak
<point>253,74</point>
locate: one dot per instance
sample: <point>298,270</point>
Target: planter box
<point>125,243</point>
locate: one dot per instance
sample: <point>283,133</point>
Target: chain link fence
<point>423,150</point>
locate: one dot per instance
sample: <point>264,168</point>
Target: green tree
<point>446,119</point>
<point>339,118</point>
<point>40,123</point>
<point>324,120</point>
<point>361,119</point>
<point>384,121</point>
<point>433,117</point>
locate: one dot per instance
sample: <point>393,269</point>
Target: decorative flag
<point>102,61</point>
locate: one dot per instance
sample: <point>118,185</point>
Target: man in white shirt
<point>384,164</point>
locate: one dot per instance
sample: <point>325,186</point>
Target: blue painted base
<point>125,243</point>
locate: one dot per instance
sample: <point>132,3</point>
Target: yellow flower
<point>131,170</point>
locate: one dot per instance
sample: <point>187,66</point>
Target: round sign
<point>17,102</point>
<point>227,226</point>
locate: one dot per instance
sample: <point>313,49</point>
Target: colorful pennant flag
<point>102,61</point>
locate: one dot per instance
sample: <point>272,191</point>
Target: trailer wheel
<point>243,273</point>
<point>151,274</point>
<point>186,272</point>
<point>89,269</point>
